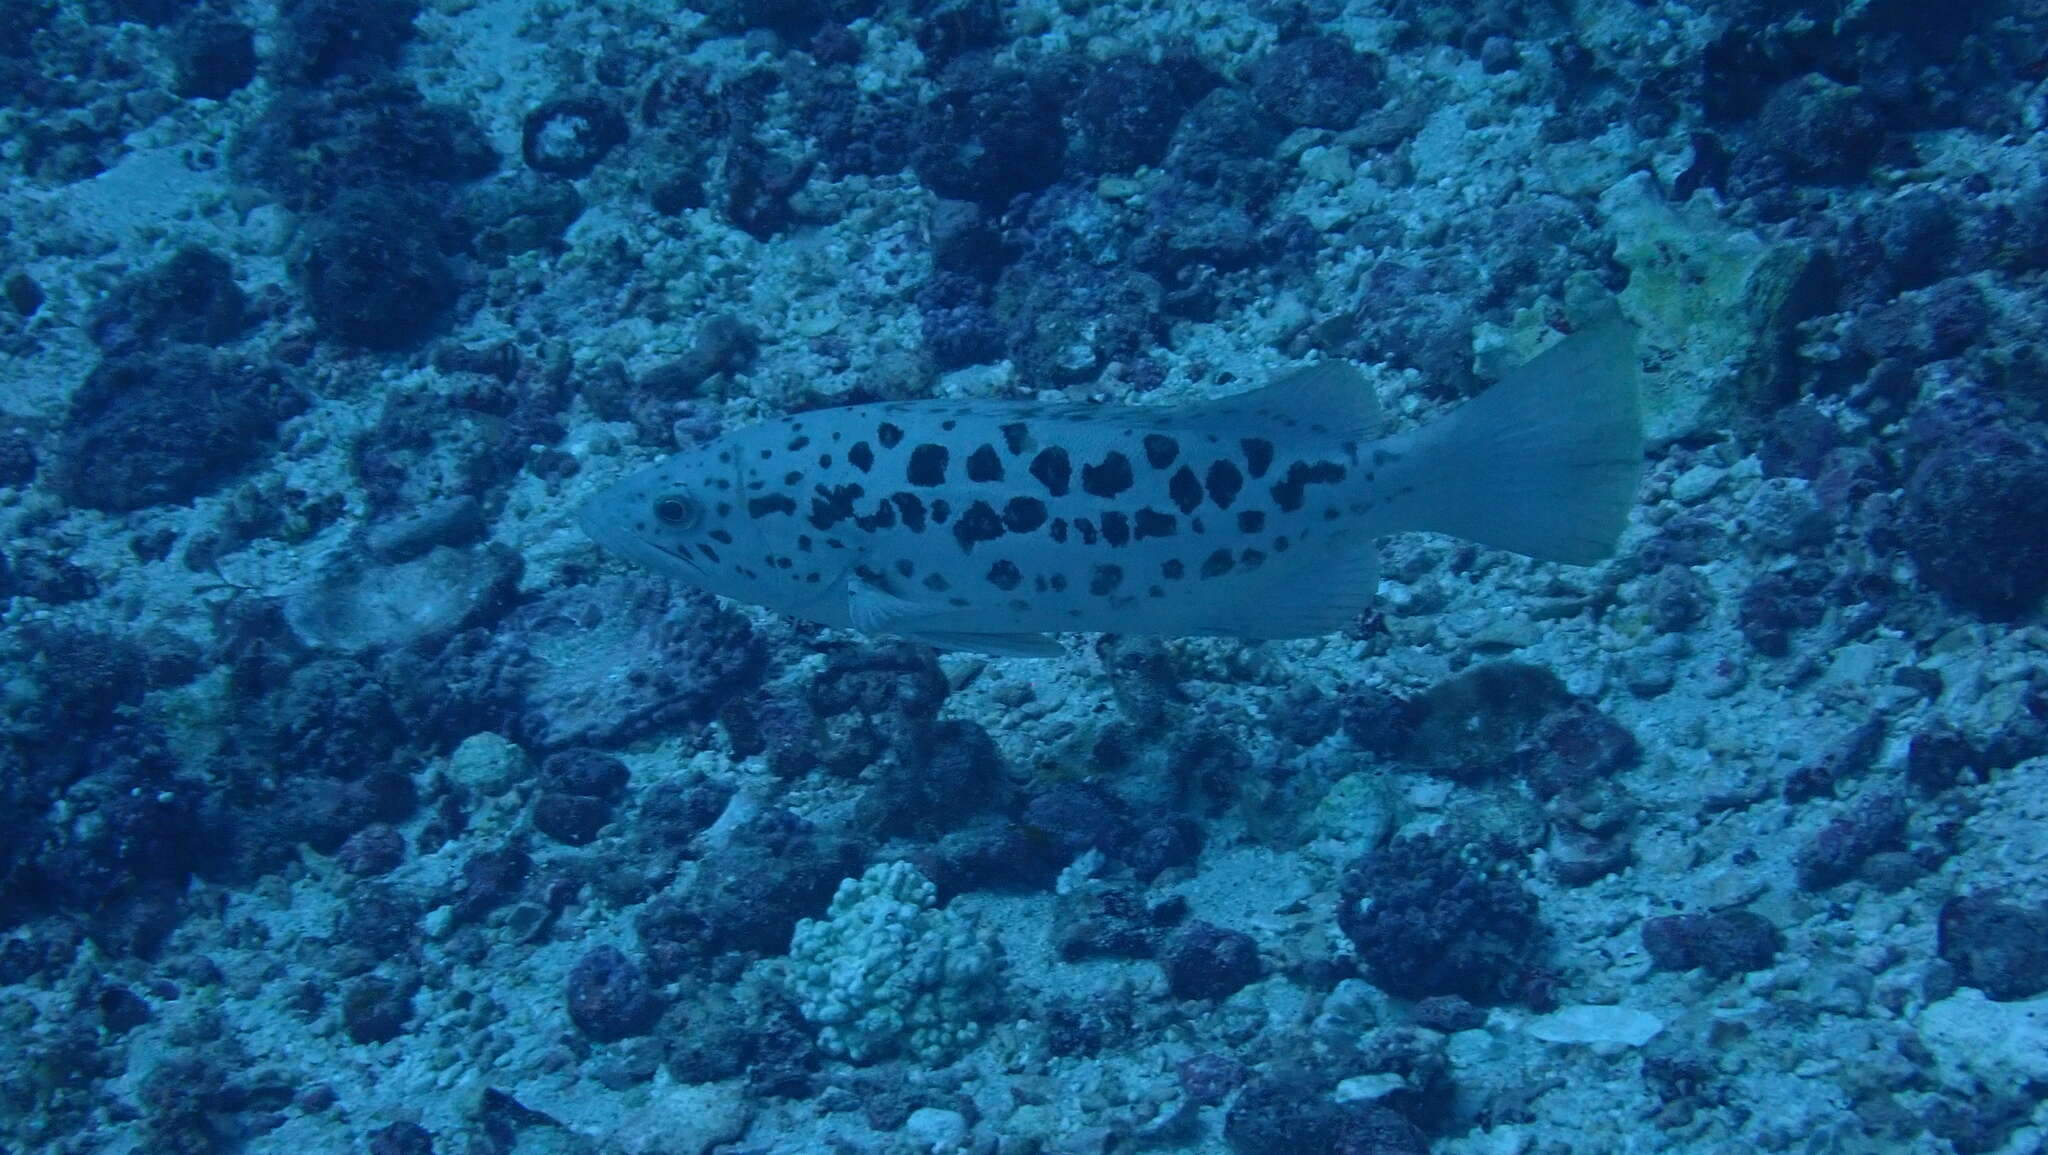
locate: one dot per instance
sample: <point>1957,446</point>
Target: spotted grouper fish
<point>989,525</point>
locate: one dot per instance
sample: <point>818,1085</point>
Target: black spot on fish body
<point>948,425</point>
<point>1059,583</point>
<point>759,507</point>
<point>792,477</point>
<point>1016,437</point>
<point>1053,470</point>
<point>799,443</point>
<point>1280,544</point>
<point>1058,530</point>
<point>721,537</point>
<point>1224,483</point>
<point>984,465</point>
<point>936,583</point>
<point>1258,455</point>
<point>940,511</point>
<point>1185,489</point>
<point>1116,528</point>
<point>906,567</point>
<point>1105,580</point>
<point>803,542</point>
<point>708,552</point>
<point>833,504</point>
<point>1251,521</point>
<point>911,508</point>
<point>888,435</point>
<point>1023,514</point>
<point>861,457</point>
<point>1217,564</point>
<point>1151,523</point>
<point>767,453</point>
<point>1287,493</point>
<point>1087,530</point>
<point>958,603</point>
<point>1251,559</point>
<point>1160,450</point>
<point>724,509</point>
<point>927,466</point>
<point>1004,574</point>
<point>824,461</point>
<point>1172,569</point>
<point>884,517</point>
<point>1108,477</point>
<point>978,524</point>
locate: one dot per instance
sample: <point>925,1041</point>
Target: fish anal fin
<point>1303,602</point>
<point>1000,645</point>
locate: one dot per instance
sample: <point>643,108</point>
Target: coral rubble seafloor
<point>352,800</point>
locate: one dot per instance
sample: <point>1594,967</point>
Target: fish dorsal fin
<point>1305,601</point>
<point>1333,394</point>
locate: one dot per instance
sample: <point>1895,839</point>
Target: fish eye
<point>676,511</point>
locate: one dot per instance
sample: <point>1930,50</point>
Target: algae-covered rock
<point>1717,304</point>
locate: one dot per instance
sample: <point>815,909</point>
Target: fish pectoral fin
<point>874,610</point>
<point>1000,645</point>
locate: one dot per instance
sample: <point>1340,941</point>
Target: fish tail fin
<point>1545,463</point>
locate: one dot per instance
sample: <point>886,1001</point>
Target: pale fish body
<point>988,525</point>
